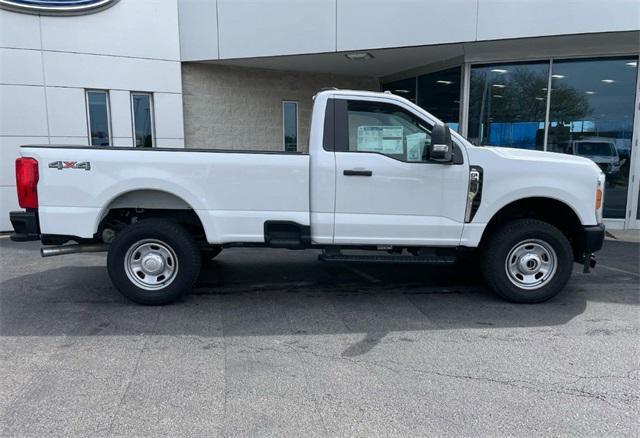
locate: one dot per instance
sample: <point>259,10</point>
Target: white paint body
<point>234,194</point>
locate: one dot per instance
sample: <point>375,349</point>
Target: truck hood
<point>538,156</point>
<point>512,174</point>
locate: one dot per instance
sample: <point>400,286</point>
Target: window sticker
<point>383,139</point>
<point>415,146</point>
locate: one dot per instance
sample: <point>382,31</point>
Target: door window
<point>387,129</point>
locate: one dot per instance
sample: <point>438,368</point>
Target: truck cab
<point>387,188</point>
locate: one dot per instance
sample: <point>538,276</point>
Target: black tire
<point>516,234</point>
<point>174,240</point>
<point>209,253</point>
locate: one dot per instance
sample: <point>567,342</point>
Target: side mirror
<point>441,147</point>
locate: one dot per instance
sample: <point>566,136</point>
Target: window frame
<point>340,131</point>
<point>152,116</point>
<point>284,142</point>
<point>87,91</point>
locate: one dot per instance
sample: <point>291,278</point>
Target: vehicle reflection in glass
<point>602,152</point>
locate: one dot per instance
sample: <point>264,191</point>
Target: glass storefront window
<point>507,105</point>
<point>439,93</point>
<point>591,115</point>
<point>98,114</point>
<point>290,126</point>
<point>142,109</point>
<point>590,110</point>
<point>405,88</point>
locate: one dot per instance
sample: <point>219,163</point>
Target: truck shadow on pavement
<point>277,294</point>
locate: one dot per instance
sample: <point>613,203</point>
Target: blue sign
<point>56,7</point>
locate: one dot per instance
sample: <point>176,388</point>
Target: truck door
<point>387,193</point>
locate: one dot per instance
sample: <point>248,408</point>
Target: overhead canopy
<point>395,62</point>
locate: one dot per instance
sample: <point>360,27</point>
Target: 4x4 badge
<point>86,165</point>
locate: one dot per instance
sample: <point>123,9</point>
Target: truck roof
<point>345,92</point>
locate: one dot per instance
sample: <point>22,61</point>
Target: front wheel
<point>527,261</point>
<point>153,262</point>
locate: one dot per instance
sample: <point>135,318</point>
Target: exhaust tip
<point>72,249</point>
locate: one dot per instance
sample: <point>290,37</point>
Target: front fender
<point>491,207</point>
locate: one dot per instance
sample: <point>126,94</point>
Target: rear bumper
<point>25,225</point>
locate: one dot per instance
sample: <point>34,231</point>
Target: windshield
<point>591,149</point>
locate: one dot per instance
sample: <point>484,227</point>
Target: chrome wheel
<point>531,264</point>
<point>151,264</point>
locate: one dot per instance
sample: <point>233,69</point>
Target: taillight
<point>27,182</point>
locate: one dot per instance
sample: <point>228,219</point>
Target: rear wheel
<point>153,262</point>
<point>527,261</point>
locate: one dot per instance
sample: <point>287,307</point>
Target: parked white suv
<point>601,151</point>
<point>382,174</point>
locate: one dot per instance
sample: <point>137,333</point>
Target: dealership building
<point>555,75</point>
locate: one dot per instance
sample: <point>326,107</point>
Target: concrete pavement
<point>275,343</point>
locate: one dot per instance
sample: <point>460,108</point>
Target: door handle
<point>354,172</point>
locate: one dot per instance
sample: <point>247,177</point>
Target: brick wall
<point>229,107</point>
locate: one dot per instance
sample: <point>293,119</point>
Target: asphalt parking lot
<point>275,343</point>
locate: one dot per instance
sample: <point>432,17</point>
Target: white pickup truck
<point>382,175</point>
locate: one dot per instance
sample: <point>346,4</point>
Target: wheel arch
<point>144,203</point>
<point>550,210</point>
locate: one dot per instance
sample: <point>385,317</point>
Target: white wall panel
<point>168,115</point>
<point>108,72</point>
<point>19,30</point>
<point>499,19</point>
<point>282,27</point>
<point>123,141</point>
<point>121,114</point>
<point>367,24</point>
<point>140,28</point>
<point>67,112</point>
<point>169,142</point>
<point>20,67</point>
<point>251,28</point>
<point>9,151</point>
<point>75,141</point>
<point>198,30</point>
<point>22,111</point>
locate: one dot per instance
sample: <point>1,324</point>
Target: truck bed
<point>232,192</point>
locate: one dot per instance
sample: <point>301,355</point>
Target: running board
<point>428,260</point>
